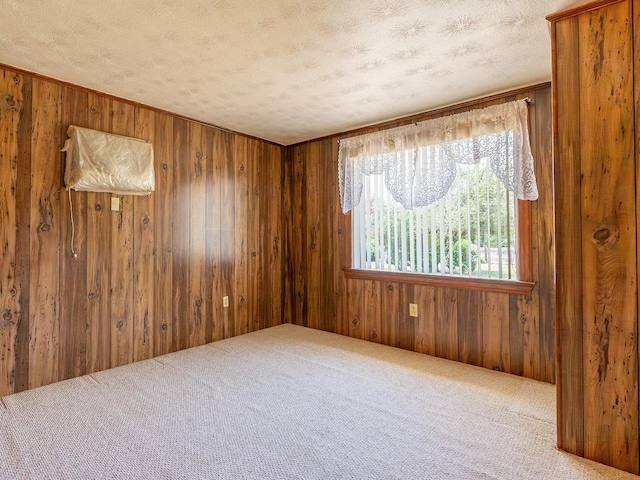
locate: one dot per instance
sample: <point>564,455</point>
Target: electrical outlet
<point>115,204</point>
<point>225,301</point>
<point>413,309</point>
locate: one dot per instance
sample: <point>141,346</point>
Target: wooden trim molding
<point>512,287</point>
<point>580,9</point>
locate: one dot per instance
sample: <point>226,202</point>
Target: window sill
<point>513,287</point>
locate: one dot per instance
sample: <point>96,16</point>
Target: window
<point>470,232</point>
<point>440,198</point>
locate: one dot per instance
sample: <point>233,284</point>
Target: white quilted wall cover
<point>103,162</point>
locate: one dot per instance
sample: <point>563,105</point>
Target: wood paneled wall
<point>596,67</point>
<point>150,278</point>
<point>495,330</point>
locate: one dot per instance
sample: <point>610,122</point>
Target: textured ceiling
<point>286,70</point>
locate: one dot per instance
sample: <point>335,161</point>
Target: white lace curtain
<point>419,161</point>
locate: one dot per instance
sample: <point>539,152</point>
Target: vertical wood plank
<point>98,257</point>
<point>313,244</point>
<point>609,296</point>
<point>240,273</point>
<point>45,223</point>
<point>256,207</point>
<point>10,111</point>
<point>391,306</point>
<point>372,310</point>
<point>357,322</point>
<point>144,252</point>
<point>569,328</point>
<point>181,235</point>
<point>545,272</point>
<point>213,283</point>
<point>299,236</point>
<point>197,306</point>
<point>163,217</point>
<point>425,341</point>
<point>495,331</point>
<point>447,323</point>
<point>274,236</point>
<point>23,238</point>
<point>73,272</point>
<point>470,327</point>
<point>122,122</point>
<point>406,323</point>
<point>225,153</point>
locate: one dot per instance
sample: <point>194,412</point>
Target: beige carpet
<point>289,403</point>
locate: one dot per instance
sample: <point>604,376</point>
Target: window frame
<point>523,285</point>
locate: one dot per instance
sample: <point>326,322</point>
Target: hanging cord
<point>73,227</point>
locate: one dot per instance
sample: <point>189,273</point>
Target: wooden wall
<point>596,66</point>
<point>150,278</point>
<point>495,330</point>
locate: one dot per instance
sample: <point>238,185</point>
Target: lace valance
<point>419,161</point>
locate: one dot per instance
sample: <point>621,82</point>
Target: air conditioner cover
<point>103,162</point>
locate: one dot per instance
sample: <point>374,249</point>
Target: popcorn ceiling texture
<point>286,70</point>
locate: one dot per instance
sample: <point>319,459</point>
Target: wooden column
<point>596,233</point>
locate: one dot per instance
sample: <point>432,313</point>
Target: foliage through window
<point>470,232</point>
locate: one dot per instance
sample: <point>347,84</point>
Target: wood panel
<point>45,235</point>
<point>609,292</point>
<point>148,279</point>
<point>11,108</point>
<point>509,332</point>
<point>569,251</point>
<point>144,252</point>
<point>122,120</point>
<point>596,180</point>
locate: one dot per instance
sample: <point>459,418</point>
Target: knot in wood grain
<point>242,168</point>
<point>198,302</point>
<point>91,295</point>
<point>523,319</point>
<point>14,291</point>
<point>165,166</point>
<point>7,103</point>
<point>199,156</point>
<point>253,254</point>
<point>354,322</point>
<point>605,238</point>
<point>241,299</point>
<point>7,315</point>
<point>390,287</point>
<point>145,220</point>
<point>120,324</point>
<point>45,227</point>
<point>93,110</point>
<point>164,327</point>
<point>339,231</point>
<point>98,207</point>
<point>16,80</point>
<point>374,335</point>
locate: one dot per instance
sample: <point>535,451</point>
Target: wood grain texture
<point>149,279</point>
<point>23,238</point>
<point>11,108</point>
<point>568,251</point>
<point>73,272</point>
<point>122,119</point>
<point>144,253</point>
<point>609,295</point>
<point>45,236</point>
<point>596,180</point>
<point>452,323</point>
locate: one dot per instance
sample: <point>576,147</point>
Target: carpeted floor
<point>289,403</point>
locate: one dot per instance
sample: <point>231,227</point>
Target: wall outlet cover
<point>115,204</point>
<point>413,309</point>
